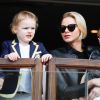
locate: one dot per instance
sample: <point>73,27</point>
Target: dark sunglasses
<point>70,27</point>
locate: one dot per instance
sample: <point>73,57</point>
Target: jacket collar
<point>33,51</point>
<point>15,46</point>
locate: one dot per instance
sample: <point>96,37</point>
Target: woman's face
<point>69,30</point>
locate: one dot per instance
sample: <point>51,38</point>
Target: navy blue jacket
<point>11,76</point>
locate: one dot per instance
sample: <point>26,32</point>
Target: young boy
<point>24,25</point>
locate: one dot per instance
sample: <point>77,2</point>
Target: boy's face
<point>25,30</point>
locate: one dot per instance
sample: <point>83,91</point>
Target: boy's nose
<point>29,33</point>
<point>29,30</point>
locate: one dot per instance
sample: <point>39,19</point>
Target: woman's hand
<point>95,92</point>
<point>93,82</point>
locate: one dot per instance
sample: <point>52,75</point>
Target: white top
<point>25,82</point>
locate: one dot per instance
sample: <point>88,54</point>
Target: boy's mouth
<point>28,36</point>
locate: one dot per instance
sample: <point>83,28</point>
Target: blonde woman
<point>73,30</point>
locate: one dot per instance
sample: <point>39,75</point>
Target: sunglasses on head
<point>70,27</point>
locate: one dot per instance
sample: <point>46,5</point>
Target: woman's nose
<point>66,30</point>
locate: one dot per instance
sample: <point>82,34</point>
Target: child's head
<point>24,25</point>
<point>22,15</point>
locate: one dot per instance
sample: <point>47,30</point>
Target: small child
<point>24,25</point>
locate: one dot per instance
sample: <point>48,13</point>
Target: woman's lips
<point>66,36</point>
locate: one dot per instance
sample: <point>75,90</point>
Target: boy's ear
<point>14,29</point>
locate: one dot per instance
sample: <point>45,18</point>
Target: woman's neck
<point>77,45</point>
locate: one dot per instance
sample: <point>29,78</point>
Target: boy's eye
<point>33,28</point>
<point>28,28</point>
<point>25,28</point>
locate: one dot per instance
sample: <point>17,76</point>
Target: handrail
<point>36,66</point>
<point>66,63</point>
<point>20,63</point>
<point>77,63</point>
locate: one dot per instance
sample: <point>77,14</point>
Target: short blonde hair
<point>21,16</point>
<point>80,21</point>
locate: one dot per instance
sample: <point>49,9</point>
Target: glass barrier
<point>68,84</point>
<point>59,79</point>
<point>17,84</point>
<point>71,84</point>
<point>94,89</point>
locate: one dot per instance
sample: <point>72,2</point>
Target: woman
<point>73,30</point>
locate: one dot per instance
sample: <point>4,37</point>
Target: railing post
<point>33,83</point>
<point>52,80</point>
<point>38,80</point>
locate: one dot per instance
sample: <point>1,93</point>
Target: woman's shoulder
<point>62,49</point>
<point>94,52</point>
<point>93,48</point>
<point>58,52</point>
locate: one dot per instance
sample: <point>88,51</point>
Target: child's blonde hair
<point>21,16</point>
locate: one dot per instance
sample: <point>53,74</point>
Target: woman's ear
<point>80,37</point>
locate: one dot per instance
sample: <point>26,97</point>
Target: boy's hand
<point>12,56</point>
<point>1,83</point>
<point>46,57</point>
